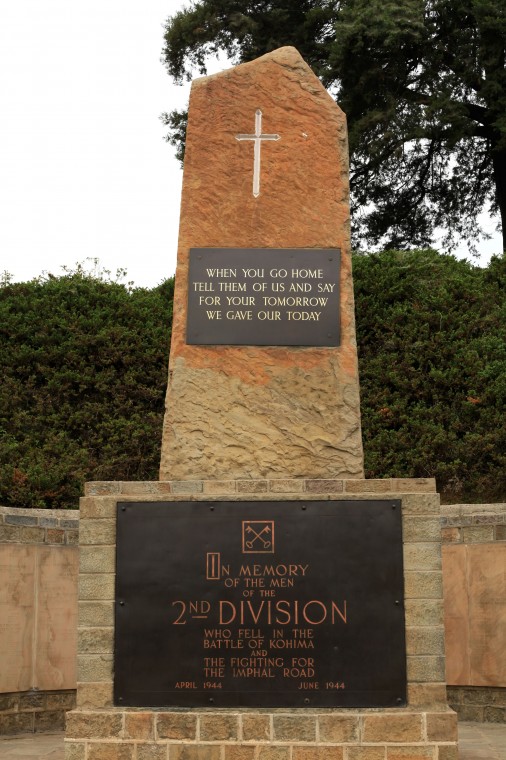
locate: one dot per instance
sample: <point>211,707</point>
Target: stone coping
<point>326,487</point>
<point>467,510</point>
<point>473,523</point>
<point>39,526</point>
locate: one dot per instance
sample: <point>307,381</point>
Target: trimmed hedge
<point>432,354</point>
<point>84,378</point>
<point>85,369</point>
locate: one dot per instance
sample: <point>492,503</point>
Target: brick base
<point>253,735</point>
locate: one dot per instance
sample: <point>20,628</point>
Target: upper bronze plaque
<point>259,604</point>
<point>263,297</point>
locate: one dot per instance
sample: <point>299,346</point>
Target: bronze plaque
<point>259,604</point>
<point>263,296</point>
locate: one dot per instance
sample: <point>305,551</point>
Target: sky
<point>85,172</point>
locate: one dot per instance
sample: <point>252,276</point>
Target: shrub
<point>82,397</point>
<point>432,355</point>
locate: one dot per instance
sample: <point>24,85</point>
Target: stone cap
<point>297,487</point>
<point>39,526</point>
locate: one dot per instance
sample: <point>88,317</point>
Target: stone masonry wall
<point>473,523</point>
<point>53,527</point>
<point>35,711</point>
<point>426,728</point>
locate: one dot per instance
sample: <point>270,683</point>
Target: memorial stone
<point>263,378</point>
<point>262,601</point>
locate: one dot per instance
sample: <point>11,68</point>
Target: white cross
<point>257,137</point>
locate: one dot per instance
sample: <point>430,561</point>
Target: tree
<point>423,84</point>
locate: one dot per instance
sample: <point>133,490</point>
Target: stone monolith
<point>250,411</point>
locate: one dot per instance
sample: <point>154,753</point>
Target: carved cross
<point>257,138</point>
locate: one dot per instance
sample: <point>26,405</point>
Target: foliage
<point>432,352</point>
<point>423,83</point>
<point>85,366</point>
<point>84,372</point>
<point>177,122</point>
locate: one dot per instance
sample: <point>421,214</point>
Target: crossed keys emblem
<point>258,536</point>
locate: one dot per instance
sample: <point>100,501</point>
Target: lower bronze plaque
<point>259,604</point>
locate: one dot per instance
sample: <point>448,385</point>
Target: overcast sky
<point>84,170</point>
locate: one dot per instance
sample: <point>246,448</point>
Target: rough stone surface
<point>139,725</point>
<point>294,728</point>
<point>256,727</point>
<point>75,750</point>
<point>94,695</point>
<point>218,727</point>
<point>108,751</point>
<point>199,752</point>
<point>392,728</point>
<point>176,726</point>
<point>239,752</point>
<point>366,753</point>
<point>338,728</point>
<point>86,725</point>
<point>246,411</point>
<point>152,751</point>
<point>318,753</point>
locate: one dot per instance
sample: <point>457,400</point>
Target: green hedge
<point>432,354</point>
<point>85,372</point>
<point>85,369</point>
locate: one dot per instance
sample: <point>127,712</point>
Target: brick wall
<point>35,711</point>
<point>473,523</point>
<point>39,526</point>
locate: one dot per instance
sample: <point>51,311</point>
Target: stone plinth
<point>250,411</point>
<point>426,728</point>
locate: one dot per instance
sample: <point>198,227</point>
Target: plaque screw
<point>120,699</point>
<point>211,508</point>
<point>123,509</point>
<point>303,506</point>
<point>397,601</point>
<point>211,699</point>
<point>122,604</point>
<point>399,700</point>
<point>306,701</point>
<point>393,506</point>
<point>330,259</point>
